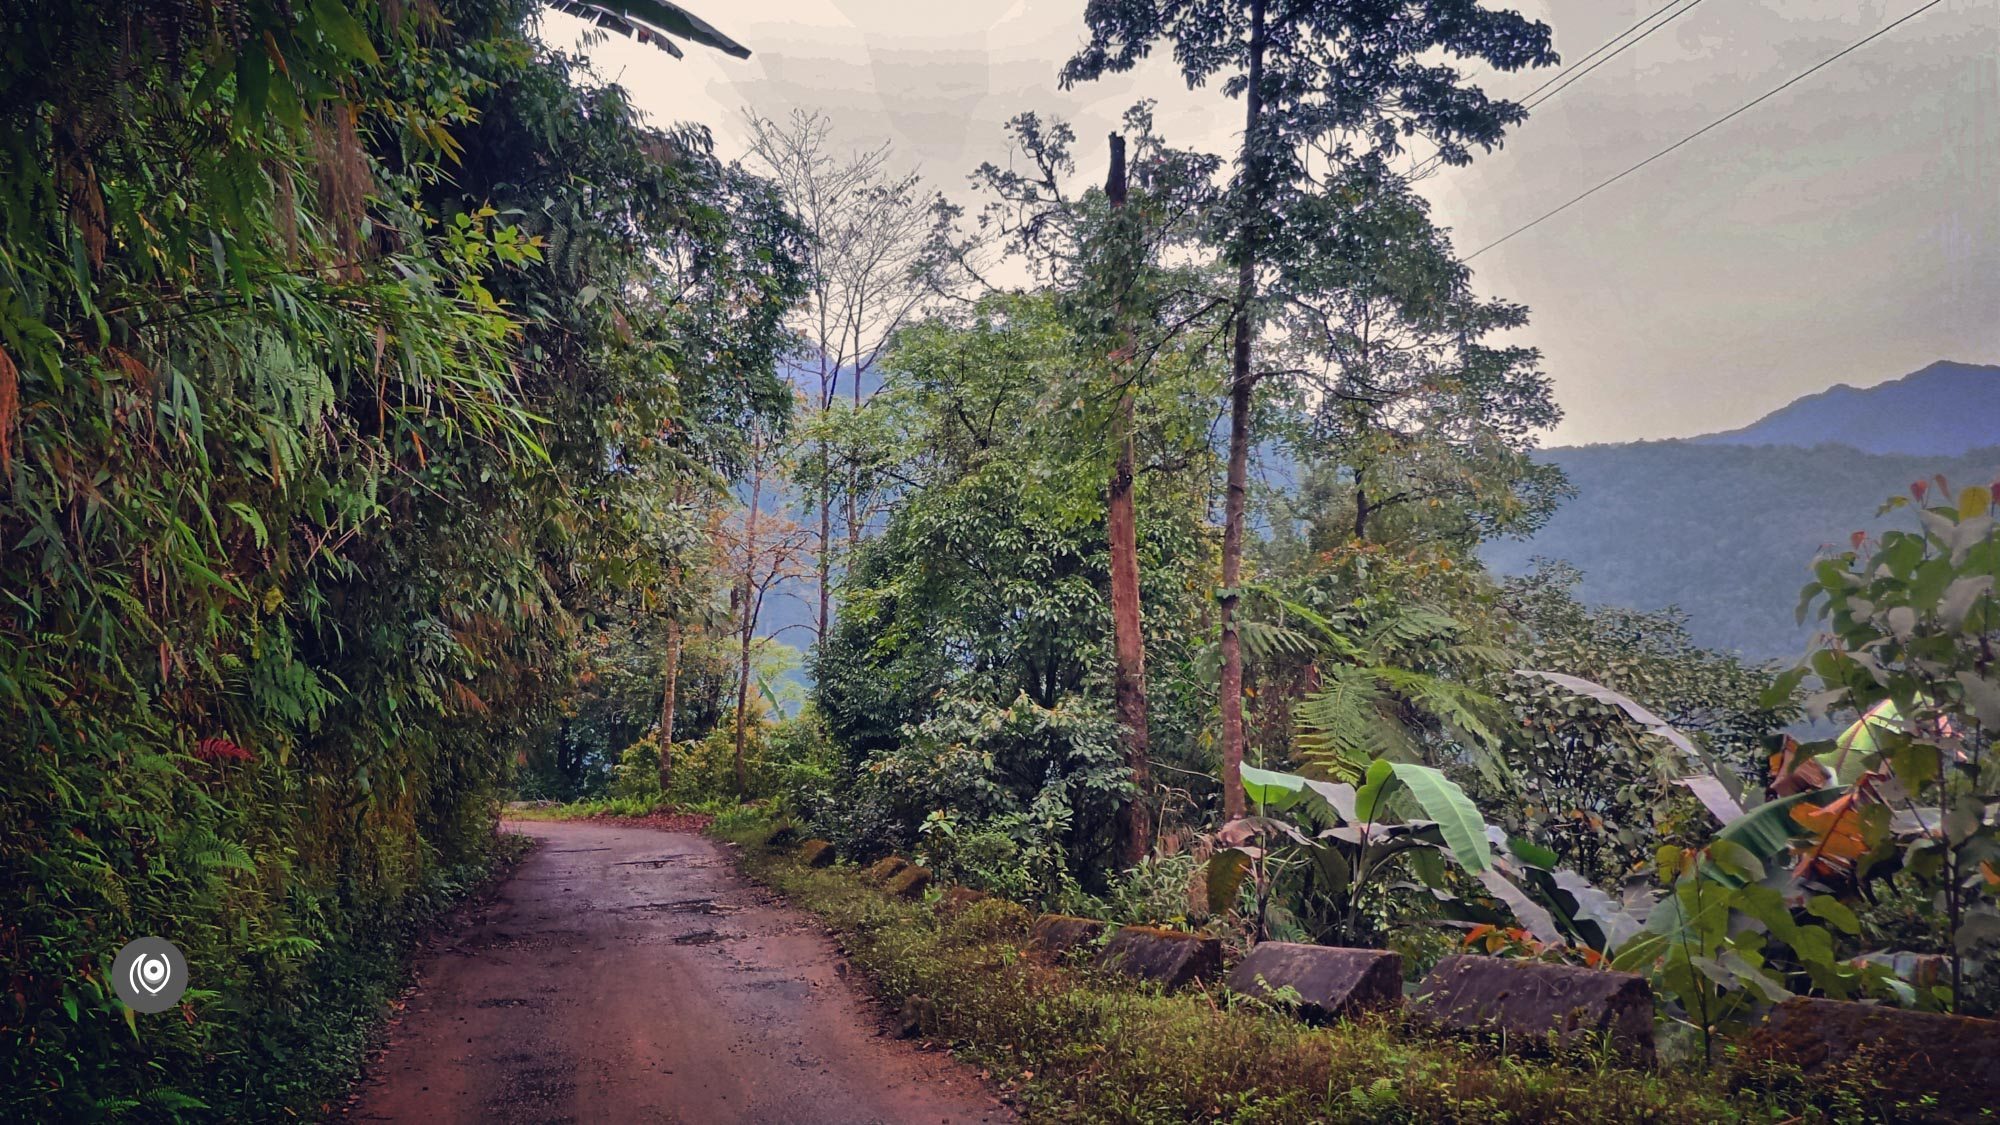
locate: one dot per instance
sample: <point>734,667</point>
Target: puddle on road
<point>661,861</point>
<point>699,937</point>
<point>687,906</point>
<point>505,1002</point>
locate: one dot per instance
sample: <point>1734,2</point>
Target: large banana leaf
<point>1271,789</point>
<point>1531,914</point>
<point>1720,790</point>
<point>651,21</point>
<point>1442,801</point>
<point>1767,830</point>
<point>1456,816</point>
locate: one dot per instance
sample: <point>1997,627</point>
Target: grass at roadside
<point>1072,1045</point>
<point>722,817</point>
<point>580,810</point>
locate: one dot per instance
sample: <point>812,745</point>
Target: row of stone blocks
<point>1952,1061</point>
<point>1947,1061</point>
<point>1521,999</point>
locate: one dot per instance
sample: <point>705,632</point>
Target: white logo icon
<point>151,974</point>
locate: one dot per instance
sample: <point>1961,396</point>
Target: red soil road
<point>625,974</point>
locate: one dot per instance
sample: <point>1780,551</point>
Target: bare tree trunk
<point>748,609</point>
<point>829,386</point>
<point>853,510</point>
<point>667,701</point>
<point>1128,642</point>
<point>1241,385</point>
<point>825,559</point>
<point>743,710</point>
<point>1135,825</point>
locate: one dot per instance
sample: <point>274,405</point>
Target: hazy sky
<point>1847,230</point>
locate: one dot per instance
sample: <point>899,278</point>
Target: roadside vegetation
<point>1067,1043</point>
<point>316,324</point>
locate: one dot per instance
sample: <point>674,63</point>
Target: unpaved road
<point>630,975</point>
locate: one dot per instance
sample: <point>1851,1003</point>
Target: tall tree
<point>867,228</point>
<point>1119,260</point>
<point>1423,426</point>
<point>1128,640</point>
<point>1326,84</point>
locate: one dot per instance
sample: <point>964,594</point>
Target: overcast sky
<point>1847,230</point>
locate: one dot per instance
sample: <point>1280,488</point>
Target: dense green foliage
<point>1913,645</point>
<point>1595,788</point>
<point>967,669</point>
<point>342,350</point>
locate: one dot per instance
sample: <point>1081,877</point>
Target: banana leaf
<point>646,20</point>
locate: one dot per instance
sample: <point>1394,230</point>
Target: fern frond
<point>1343,726</point>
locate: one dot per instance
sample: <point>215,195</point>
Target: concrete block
<point>1331,982</point>
<point>1532,1001</point>
<point>1168,957</point>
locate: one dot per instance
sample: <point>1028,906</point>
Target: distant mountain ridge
<point>1726,526</point>
<point>1946,409</point>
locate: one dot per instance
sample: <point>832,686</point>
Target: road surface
<point>626,974</point>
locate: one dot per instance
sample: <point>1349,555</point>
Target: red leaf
<point>221,750</point>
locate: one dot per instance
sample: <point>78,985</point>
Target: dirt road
<point>630,975</point>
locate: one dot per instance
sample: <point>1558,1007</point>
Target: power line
<point>1732,114</point>
<point>1571,73</point>
<point>1633,42</point>
<point>1558,76</point>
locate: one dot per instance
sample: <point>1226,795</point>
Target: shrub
<point>637,775</point>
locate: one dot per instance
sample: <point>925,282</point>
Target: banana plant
<point>1363,846</point>
<point>653,22</point>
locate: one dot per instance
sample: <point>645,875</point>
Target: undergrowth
<point>306,1052</point>
<point>1072,1045</point>
<point>585,810</point>
<point>289,1052</point>
<point>723,816</point>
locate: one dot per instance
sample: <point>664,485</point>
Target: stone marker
<point>956,899</point>
<point>908,882</point>
<point>1167,957</point>
<point>917,1015</point>
<point>1919,1066</point>
<point>1057,934</point>
<point>817,853</point>
<point>1530,1001</point>
<point>1331,982</point>
<point>884,869</point>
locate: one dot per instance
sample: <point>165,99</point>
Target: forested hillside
<point>1726,533</point>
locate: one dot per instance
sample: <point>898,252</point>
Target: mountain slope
<point>1947,408</point>
<point>1726,532</point>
